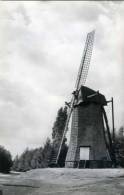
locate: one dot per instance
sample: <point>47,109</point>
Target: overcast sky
<point>41,44</point>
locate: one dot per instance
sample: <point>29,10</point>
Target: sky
<point>41,45</point>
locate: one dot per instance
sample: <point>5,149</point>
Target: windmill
<point>90,141</point>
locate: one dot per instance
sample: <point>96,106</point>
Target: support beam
<point>113,125</point>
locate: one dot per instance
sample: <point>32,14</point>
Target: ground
<point>56,181</point>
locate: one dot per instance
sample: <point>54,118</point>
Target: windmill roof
<point>87,95</point>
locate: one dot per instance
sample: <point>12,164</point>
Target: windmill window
<point>84,153</point>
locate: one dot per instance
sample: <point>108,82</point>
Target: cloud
<point>41,45</point>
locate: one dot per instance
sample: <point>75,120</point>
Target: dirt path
<point>106,187</point>
<point>60,182</point>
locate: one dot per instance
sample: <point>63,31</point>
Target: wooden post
<point>113,125</point>
<point>113,132</point>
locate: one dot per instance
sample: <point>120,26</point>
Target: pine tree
<point>59,124</point>
<point>119,147</point>
<point>57,133</point>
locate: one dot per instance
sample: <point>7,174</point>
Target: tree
<point>59,123</point>
<point>32,159</point>
<point>121,132</point>
<point>47,152</point>
<point>40,157</point>
<point>37,158</point>
<point>23,162</point>
<point>57,133</point>
<point>5,160</point>
<point>119,147</point>
<point>15,163</point>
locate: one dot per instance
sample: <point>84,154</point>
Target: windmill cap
<point>87,95</point>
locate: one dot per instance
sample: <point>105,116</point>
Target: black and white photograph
<point>61,97</point>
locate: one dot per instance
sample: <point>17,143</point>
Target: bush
<point>5,160</point>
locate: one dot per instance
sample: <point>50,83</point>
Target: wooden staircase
<point>52,160</point>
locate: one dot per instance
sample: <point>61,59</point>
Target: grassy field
<point>64,182</point>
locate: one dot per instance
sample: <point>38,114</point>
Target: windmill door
<point>84,153</point>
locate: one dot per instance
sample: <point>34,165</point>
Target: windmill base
<point>93,164</point>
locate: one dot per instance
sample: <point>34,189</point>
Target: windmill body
<point>87,146</point>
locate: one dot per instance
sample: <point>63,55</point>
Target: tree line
<point>41,157</point>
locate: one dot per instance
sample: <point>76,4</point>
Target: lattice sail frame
<point>81,79</point>
<point>85,61</point>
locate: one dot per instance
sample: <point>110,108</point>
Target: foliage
<point>5,160</point>
<point>57,133</point>
<point>47,152</point>
<point>59,123</point>
<point>32,159</point>
<point>40,157</point>
<point>119,147</point>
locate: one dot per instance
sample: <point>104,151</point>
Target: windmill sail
<point>85,61</point>
<point>81,78</point>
